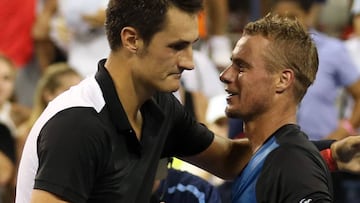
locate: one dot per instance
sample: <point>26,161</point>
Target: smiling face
<point>7,81</point>
<point>250,86</point>
<point>169,53</point>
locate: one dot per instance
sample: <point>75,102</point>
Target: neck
<point>130,90</point>
<point>260,129</point>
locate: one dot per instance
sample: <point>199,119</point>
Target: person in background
<point>218,41</point>
<point>17,18</point>
<point>45,49</point>
<point>353,43</point>
<point>11,113</point>
<point>7,164</point>
<point>349,184</point>
<point>198,79</point>
<point>78,28</point>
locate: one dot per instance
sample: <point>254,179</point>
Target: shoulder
<point>295,158</point>
<point>295,173</point>
<point>73,123</point>
<point>285,156</point>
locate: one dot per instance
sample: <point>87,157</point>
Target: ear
<point>285,80</point>
<point>130,39</point>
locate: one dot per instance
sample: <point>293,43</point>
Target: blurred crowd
<point>46,46</point>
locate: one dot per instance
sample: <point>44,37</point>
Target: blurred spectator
<point>329,23</point>
<point>216,119</point>
<point>315,11</point>
<point>16,19</point>
<point>78,28</point>
<point>11,113</point>
<point>213,31</point>
<point>198,79</point>
<point>219,43</point>
<point>45,49</point>
<point>353,46</point>
<point>353,43</point>
<point>350,184</point>
<point>7,164</point>
<point>195,103</point>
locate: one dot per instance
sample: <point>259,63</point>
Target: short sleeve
<point>186,136</point>
<point>69,148</point>
<point>292,174</point>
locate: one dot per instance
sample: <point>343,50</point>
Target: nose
<point>186,60</point>
<point>227,75</point>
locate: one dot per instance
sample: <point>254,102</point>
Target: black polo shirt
<point>88,152</point>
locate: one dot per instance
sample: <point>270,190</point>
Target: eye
<point>179,46</point>
<point>7,78</point>
<point>240,65</point>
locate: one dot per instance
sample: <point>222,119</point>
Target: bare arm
<point>218,16</point>
<point>224,157</point>
<point>41,196</point>
<point>44,47</point>
<point>340,132</point>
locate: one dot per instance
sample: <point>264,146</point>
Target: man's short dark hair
<point>146,16</point>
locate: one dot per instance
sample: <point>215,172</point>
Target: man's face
<point>169,52</point>
<point>291,10</point>
<point>249,84</point>
<point>7,80</point>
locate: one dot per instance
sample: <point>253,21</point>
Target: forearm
<point>224,157</point>
<point>39,196</point>
<point>347,127</point>
<point>355,116</point>
<point>218,16</point>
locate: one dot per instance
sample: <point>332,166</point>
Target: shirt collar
<point>150,110</point>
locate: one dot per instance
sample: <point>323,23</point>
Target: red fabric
<point>326,154</point>
<point>16,20</point>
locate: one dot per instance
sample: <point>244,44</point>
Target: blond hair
<point>290,47</point>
